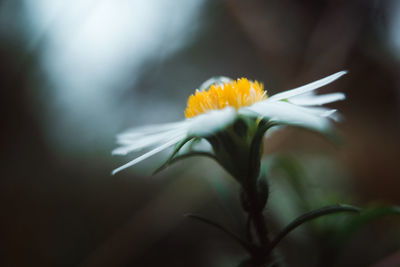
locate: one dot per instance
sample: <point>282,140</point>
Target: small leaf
<point>365,217</point>
<point>244,244</point>
<point>310,216</point>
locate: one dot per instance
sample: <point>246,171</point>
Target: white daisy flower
<point>232,115</point>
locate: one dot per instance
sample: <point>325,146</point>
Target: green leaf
<point>310,216</point>
<point>249,247</point>
<point>365,217</point>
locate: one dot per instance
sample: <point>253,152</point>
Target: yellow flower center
<point>237,94</point>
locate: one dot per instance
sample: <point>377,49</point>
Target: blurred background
<point>75,73</point>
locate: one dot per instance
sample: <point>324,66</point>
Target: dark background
<point>67,89</point>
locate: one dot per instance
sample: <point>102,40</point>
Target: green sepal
<point>183,156</point>
<point>178,147</point>
<point>238,148</point>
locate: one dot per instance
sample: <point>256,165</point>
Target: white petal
<point>210,122</point>
<point>147,141</point>
<point>290,114</point>
<point>306,88</point>
<point>323,112</point>
<point>334,115</point>
<point>149,154</point>
<point>129,138</point>
<point>319,111</point>
<point>148,136</point>
<point>313,100</point>
<point>134,133</point>
<point>170,134</point>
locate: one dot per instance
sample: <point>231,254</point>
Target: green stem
<point>253,205</point>
<point>248,229</point>
<point>259,224</point>
<point>255,213</point>
<point>259,257</point>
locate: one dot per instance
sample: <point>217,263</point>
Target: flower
<point>233,115</point>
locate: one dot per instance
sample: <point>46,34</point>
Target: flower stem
<point>254,198</point>
<point>254,211</point>
<point>259,224</point>
<point>256,215</point>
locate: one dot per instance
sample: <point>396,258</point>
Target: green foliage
<point>367,216</point>
<point>311,215</point>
